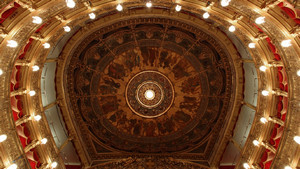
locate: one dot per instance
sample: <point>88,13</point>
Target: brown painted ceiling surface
<point>149,163</point>
<point>111,70</point>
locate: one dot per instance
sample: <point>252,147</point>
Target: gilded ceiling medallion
<point>149,94</point>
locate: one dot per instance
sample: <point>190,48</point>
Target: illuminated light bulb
<point>1,72</point>
<point>37,117</point>
<point>263,120</point>
<point>149,94</point>
<point>263,68</point>
<point>260,20</point>
<point>46,45</point>
<point>178,8</point>
<point>251,45</point>
<point>297,139</point>
<point>13,166</point>
<point>206,15</point>
<point>35,68</point>
<point>67,28</point>
<point>92,16</point>
<point>225,3</point>
<point>70,3</point>
<point>54,164</point>
<point>255,142</point>
<point>286,43</point>
<point>37,20</point>
<point>119,7</point>
<point>12,43</point>
<point>288,167</point>
<point>44,141</point>
<point>231,28</point>
<point>246,165</point>
<point>149,4</point>
<point>298,73</point>
<point>3,137</point>
<point>265,93</point>
<point>31,93</point>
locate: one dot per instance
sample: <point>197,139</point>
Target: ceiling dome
<point>138,88</point>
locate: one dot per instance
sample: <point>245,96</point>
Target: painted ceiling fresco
<point>147,163</point>
<point>187,72</point>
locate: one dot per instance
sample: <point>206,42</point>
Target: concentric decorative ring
<point>149,94</point>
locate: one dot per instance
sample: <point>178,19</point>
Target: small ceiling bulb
<point>37,117</point>
<point>70,3</point>
<point>178,8</point>
<point>265,93</point>
<point>286,43</point>
<point>13,166</point>
<point>3,137</point>
<point>149,4</point>
<point>119,7</point>
<point>246,165</point>
<point>297,139</point>
<point>44,141</point>
<point>1,72</point>
<point>260,20</point>
<point>288,167</point>
<point>37,20</point>
<point>54,164</point>
<point>67,28</point>
<point>149,94</point>
<point>35,68</point>
<point>92,16</point>
<point>298,73</point>
<point>46,45</point>
<point>12,43</point>
<point>31,93</point>
<point>263,120</point>
<point>255,142</point>
<point>231,28</point>
<point>225,3</point>
<point>263,68</point>
<point>206,15</point>
<point>251,45</point>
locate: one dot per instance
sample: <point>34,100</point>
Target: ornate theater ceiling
<point>138,84</point>
<point>150,89</point>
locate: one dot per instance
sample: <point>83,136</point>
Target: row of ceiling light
<point>232,28</point>
<point>263,68</point>
<point>3,137</point>
<point>24,119</point>
<point>14,44</point>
